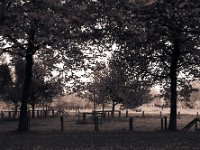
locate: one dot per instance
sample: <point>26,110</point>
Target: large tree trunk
<point>173,108</point>
<point>173,78</point>
<point>23,119</point>
<point>2,11</point>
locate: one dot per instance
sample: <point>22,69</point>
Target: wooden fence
<point>10,114</point>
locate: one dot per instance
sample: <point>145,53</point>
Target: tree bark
<point>23,119</point>
<point>173,90</point>
<point>2,13</point>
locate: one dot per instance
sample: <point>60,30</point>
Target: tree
<point>12,94</point>
<point>175,46</point>
<point>24,27</point>
<point>184,91</point>
<point>5,79</point>
<point>161,41</point>
<point>112,85</point>
<point>42,89</point>
<point>158,41</point>
<point>27,30</point>
<point>103,90</point>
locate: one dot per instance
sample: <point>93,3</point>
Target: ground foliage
<point>46,134</point>
<point>108,141</point>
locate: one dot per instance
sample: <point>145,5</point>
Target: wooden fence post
<point>112,114</point>
<point>41,113</point>
<point>104,116</point>
<point>131,124</point>
<point>2,115</point>
<point>76,112</point>
<point>126,113</point>
<point>165,120</point>
<point>119,114</point>
<point>9,114</point>
<point>93,115</point>
<point>160,114</point>
<point>142,114</point>
<point>101,120</point>
<point>161,123</point>
<point>45,113</point>
<point>14,115</point>
<point>38,113</point>
<point>61,123</point>
<point>108,115</point>
<point>96,124</point>
<point>29,113</point>
<point>196,126</point>
<point>179,115</point>
<point>84,117</point>
<point>53,113</point>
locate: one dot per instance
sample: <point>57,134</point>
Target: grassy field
<point>113,134</point>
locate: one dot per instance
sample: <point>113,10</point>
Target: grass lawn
<point>147,140</point>
<point>45,134</point>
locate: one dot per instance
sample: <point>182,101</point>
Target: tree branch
<point>157,75</point>
<point>7,50</point>
<point>15,42</point>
